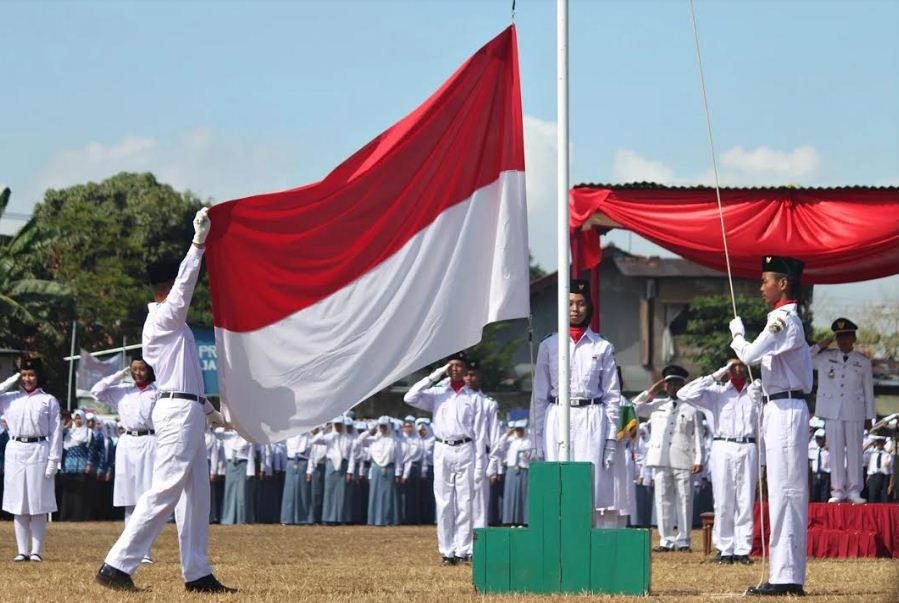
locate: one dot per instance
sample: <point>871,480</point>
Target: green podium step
<point>559,551</point>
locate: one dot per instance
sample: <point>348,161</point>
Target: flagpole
<point>71,365</point>
<point>562,200</point>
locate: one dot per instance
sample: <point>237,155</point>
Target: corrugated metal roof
<point>655,267</point>
<point>703,187</point>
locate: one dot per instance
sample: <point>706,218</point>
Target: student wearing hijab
<point>337,458</point>
<point>296,497</point>
<point>81,455</point>
<point>386,472</point>
<point>238,504</point>
<point>32,459</point>
<point>514,451</point>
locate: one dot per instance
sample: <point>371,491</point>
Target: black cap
<point>31,364</point>
<point>581,287</point>
<point>672,372</point>
<point>457,356</point>
<point>783,265</point>
<point>473,365</point>
<point>843,325</point>
<point>163,271</point>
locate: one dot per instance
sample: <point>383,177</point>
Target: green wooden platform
<point>559,551</point>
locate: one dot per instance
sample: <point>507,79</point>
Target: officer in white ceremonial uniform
<point>180,481</point>
<point>845,401</point>
<point>674,454</point>
<point>733,458</point>
<point>32,457</point>
<point>782,351</point>
<point>460,453</point>
<point>595,398</point>
<point>135,453</point>
<point>492,434</point>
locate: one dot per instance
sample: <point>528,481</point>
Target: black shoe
<point>724,559</point>
<point>775,590</point>
<point>463,559</point>
<point>743,559</point>
<point>683,549</point>
<point>207,584</point>
<point>114,578</point>
<point>662,549</point>
<point>449,561</point>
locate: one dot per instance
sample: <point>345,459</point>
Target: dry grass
<point>364,564</point>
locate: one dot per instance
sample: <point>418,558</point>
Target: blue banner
<point>205,339</point>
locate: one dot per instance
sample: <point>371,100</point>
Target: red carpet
<point>845,531</point>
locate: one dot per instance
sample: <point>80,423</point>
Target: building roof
<point>656,267</point>
<point>702,187</point>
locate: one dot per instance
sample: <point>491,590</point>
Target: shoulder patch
<point>777,325</point>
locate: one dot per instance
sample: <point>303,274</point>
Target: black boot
<point>207,584</point>
<point>775,590</point>
<point>114,578</point>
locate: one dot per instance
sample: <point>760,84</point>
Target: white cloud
<point>630,166</point>
<point>200,160</point>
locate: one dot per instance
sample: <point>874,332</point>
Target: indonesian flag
<point>325,294</point>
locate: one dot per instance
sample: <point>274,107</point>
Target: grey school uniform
<point>297,496</point>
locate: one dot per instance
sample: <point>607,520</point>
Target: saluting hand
<point>695,468</point>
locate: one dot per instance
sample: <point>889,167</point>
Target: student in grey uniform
<point>783,352</point>
<point>358,469</point>
<point>215,456</point>
<point>514,451</point>
<point>297,495</point>
<point>315,475</point>
<point>410,485</point>
<point>426,498</point>
<point>32,459</point>
<point>386,471</point>
<point>338,445</point>
<point>238,506</point>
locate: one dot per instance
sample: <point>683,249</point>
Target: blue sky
<point>234,98</point>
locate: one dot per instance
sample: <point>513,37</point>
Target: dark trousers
<point>820,487</point>
<point>877,488</point>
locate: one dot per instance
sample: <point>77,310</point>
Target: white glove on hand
<point>736,327</point>
<point>755,391</point>
<point>51,470</point>
<point>125,372</point>
<point>720,373</point>
<point>438,373</point>
<point>216,419</point>
<point>201,226</point>
<point>478,477</point>
<point>608,456</point>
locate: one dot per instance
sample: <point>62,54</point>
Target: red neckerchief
<point>143,387</point>
<point>784,302</point>
<point>738,384</point>
<point>457,386</point>
<point>30,391</point>
<point>576,333</point>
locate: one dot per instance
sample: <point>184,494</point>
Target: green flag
<point>627,422</point>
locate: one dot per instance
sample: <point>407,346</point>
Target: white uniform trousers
<point>674,504</point>
<point>785,428</point>
<point>734,468</point>
<point>844,440</point>
<point>180,482</point>
<point>453,485</point>
<point>479,502</point>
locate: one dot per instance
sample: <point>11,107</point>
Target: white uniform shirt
<point>384,450</point>
<point>781,350</point>
<point>730,413</point>
<point>168,343</point>
<point>516,451</point>
<point>455,415</point>
<point>820,459</point>
<point>133,404</point>
<point>490,424</point>
<point>298,446</point>
<point>845,385</point>
<point>338,446</point>
<point>33,415</point>
<point>592,375</point>
<point>882,458</point>
<point>238,449</point>
<point>675,434</point>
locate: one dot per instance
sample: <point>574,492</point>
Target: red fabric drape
<point>842,234</point>
<point>845,531</point>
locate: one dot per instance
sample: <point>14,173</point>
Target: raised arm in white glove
<point>125,372</point>
<point>9,382</point>
<point>608,455</point>
<point>438,374</point>
<point>201,226</point>
<point>755,391</point>
<point>720,373</point>
<point>737,328</point>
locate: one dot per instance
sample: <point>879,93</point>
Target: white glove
<point>737,328</point>
<point>478,477</point>
<point>201,226</point>
<point>438,373</point>
<point>608,456</point>
<point>755,391</point>
<point>9,382</point>
<point>215,418</point>
<point>51,470</point>
<point>720,373</point>
<point>125,372</point>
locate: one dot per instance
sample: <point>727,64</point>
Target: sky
<point>229,99</point>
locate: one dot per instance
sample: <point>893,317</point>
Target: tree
<point>534,269</point>
<point>707,330</point>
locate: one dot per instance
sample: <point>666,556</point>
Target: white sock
<point>38,533</point>
<point>21,526</point>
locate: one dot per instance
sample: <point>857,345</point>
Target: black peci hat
<point>673,372</point>
<point>783,265</point>
<point>457,356</point>
<point>473,365</point>
<point>843,325</point>
<point>163,271</point>
<point>580,287</point>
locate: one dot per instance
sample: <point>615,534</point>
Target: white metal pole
<point>71,365</point>
<point>562,201</point>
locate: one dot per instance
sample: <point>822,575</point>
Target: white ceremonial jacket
<point>731,414</point>
<point>845,385</point>
<point>133,404</point>
<point>675,433</point>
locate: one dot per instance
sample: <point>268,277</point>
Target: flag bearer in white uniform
<point>136,450</point>
<point>782,351</point>
<point>492,434</point>
<point>674,455</point>
<point>32,458</point>
<point>180,481</point>
<point>733,459</point>
<point>459,453</point>
<point>845,401</point>
<point>595,398</point>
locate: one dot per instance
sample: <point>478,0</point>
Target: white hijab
<point>75,436</point>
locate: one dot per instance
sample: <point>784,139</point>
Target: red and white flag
<point>325,294</point>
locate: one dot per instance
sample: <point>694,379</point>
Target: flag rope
<point>730,279</point>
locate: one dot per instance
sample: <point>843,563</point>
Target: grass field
<point>364,564</point>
